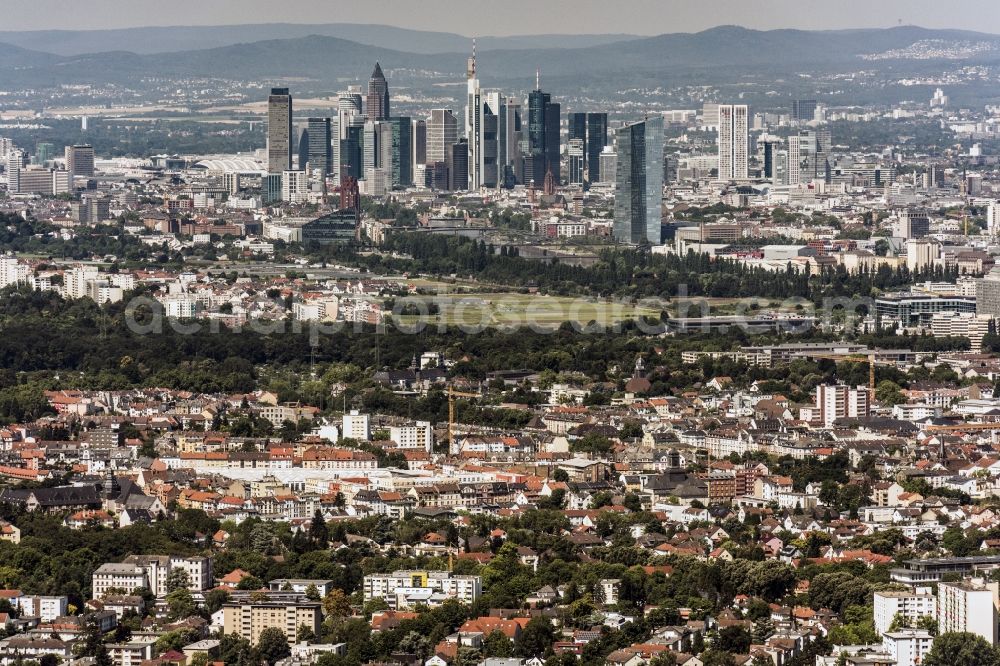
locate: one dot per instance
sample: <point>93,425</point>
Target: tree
<point>312,592</point>
<point>305,634</point>
<point>889,393</point>
<point>273,645</point>
<point>178,579</point>
<point>336,604</point>
<point>734,639</point>
<point>215,599</point>
<point>498,645</point>
<point>716,657</point>
<point>180,604</point>
<point>961,649</point>
<point>319,534</point>
<point>535,639</point>
<point>234,649</point>
<point>250,583</point>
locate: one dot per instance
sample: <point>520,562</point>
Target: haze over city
<point>515,17</point>
<point>518,333</point>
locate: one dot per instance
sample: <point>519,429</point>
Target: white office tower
<point>575,154</point>
<point>294,187</point>
<point>15,163</point>
<point>794,162</point>
<point>710,116</point>
<point>993,218</point>
<point>371,152</point>
<point>442,134</point>
<point>375,183</point>
<point>474,124</point>
<point>922,253</point>
<point>734,140</point>
<point>349,104</point>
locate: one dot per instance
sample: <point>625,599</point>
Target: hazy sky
<point>506,17</point>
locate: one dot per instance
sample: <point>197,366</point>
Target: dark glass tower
<point>399,151</point>
<point>319,146</point>
<point>543,138</point>
<point>303,149</point>
<point>578,126</point>
<point>378,95</point>
<point>639,182</point>
<point>597,139</point>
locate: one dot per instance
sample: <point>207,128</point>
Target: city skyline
<point>589,16</point>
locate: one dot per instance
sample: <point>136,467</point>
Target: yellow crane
<point>452,394</point>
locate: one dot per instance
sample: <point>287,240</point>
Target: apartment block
<point>969,606</point>
<point>249,619</point>
<point>406,589</point>
<point>910,606</point>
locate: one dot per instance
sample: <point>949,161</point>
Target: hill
<point>190,38</point>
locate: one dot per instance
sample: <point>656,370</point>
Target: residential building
<point>968,606</point>
<point>356,426</point>
<point>250,618</point>
<point>910,606</point>
<point>406,589</point>
<point>837,402</point>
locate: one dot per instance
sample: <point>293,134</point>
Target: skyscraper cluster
<point>491,145</point>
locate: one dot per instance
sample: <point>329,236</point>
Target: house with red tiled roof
<point>233,578</point>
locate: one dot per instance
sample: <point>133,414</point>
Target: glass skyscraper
<point>320,146</point>
<point>639,182</point>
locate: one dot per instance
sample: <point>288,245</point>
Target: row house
<point>330,458</point>
<point>438,495</point>
<point>383,503</point>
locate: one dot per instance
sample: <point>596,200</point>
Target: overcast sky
<point>509,17</point>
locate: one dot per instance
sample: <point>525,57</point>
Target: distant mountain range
<point>327,60</point>
<point>187,38</point>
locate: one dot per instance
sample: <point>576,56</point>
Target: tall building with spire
<point>543,136</point>
<point>378,95</point>
<point>474,124</point>
<point>279,131</point>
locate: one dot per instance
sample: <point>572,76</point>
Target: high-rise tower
<point>474,124</point>
<point>543,136</point>
<point>279,131</point>
<point>734,140</point>
<point>639,181</point>
<point>378,95</point>
<point>320,146</point>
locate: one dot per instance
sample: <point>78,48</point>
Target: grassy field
<point>504,310</point>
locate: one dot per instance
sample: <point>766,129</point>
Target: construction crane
<point>452,394</point>
<point>854,358</point>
